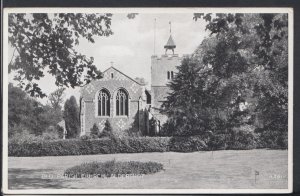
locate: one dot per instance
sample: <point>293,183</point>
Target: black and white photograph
<point>147,100</point>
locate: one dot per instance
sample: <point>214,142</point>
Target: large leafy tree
<point>269,60</point>
<point>71,117</point>
<point>26,113</point>
<point>47,42</point>
<point>243,62</point>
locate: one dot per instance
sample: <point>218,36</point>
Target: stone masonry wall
<point>159,80</point>
<point>112,81</point>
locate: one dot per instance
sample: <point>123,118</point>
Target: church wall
<point>112,81</point>
<point>121,125</point>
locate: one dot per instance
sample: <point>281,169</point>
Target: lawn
<point>197,170</point>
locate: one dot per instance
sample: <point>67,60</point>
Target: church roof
<point>111,67</point>
<point>170,44</point>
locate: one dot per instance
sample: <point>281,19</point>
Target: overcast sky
<point>132,44</point>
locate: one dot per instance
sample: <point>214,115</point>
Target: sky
<point>130,47</point>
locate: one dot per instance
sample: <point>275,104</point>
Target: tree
<point>56,98</point>
<point>26,113</point>
<point>95,131</point>
<point>47,41</point>
<point>71,117</point>
<point>232,68</point>
<point>107,130</point>
<point>183,105</point>
<point>44,41</point>
<point>262,40</point>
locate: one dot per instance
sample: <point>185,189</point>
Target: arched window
<point>168,75</point>
<point>121,103</point>
<point>172,74</point>
<point>112,75</point>
<point>103,103</point>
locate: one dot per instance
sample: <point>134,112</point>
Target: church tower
<point>163,70</point>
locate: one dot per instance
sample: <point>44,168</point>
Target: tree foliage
<point>47,42</point>
<point>56,98</point>
<point>71,117</point>
<point>26,113</point>
<point>237,76</point>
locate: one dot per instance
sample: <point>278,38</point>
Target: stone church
<point>126,102</point>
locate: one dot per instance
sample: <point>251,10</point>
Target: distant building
<point>124,101</point>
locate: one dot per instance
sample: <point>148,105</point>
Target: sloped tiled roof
<point>170,43</point>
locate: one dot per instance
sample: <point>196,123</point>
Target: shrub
<point>235,140</point>
<point>23,136</point>
<point>89,146</point>
<point>94,131</point>
<point>148,144</point>
<point>85,137</point>
<point>168,129</point>
<point>217,142</point>
<point>107,130</point>
<point>113,168</point>
<point>188,144</point>
<point>51,133</point>
<point>49,136</point>
<point>242,140</point>
<point>273,139</point>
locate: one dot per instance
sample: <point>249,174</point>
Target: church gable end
<point>115,97</point>
<point>112,80</point>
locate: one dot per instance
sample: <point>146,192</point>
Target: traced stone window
<point>168,75</point>
<point>172,74</point>
<point>122,103</point>
<point>103,103</point>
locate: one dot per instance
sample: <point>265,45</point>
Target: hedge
<point>234,141</point>
<point>85,147</point>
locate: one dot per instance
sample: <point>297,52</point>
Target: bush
<point>188,144</point>
<point>89,146</point>
<point>273,139</point>
<point>23,136</point>
<point>236,140</point>
<point>242,140</point>
<point>217,142</point>
<point>113,168</point>
<point>51,134</point>
<point>85,137</point>
<point>94,131</point>
<point>107,130</point>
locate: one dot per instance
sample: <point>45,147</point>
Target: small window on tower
<point>172,74</point>
<point>168,75</point>
<point>112,75</point>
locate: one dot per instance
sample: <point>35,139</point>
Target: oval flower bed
<point>112,169</point>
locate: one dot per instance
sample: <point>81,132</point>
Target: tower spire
<point>170,44</point>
